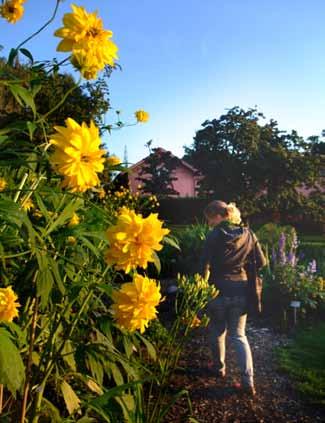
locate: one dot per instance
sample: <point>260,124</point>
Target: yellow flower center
<point>93,32</point>
<point>85,158</point>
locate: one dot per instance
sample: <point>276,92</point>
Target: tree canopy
<point>246,159</point>
<point>156,174</point>
<point>86,102</point>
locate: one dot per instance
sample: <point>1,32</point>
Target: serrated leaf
<point>71,399</point>
<point>23,96</point>
<point>12,371</point>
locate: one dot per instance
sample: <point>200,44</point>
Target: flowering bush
<point>72,336</point>
<point>288,280</point>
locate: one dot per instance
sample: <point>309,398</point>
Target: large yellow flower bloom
<point>8,305</point>
<point>83,34</point>
<point>77,155</point>
<point>135,303</point>
<point>142,116</point>
<point>3,184</point>
<point>12,10</point>
<point>134,239</point>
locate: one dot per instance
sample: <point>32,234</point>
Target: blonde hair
<point>227,211</point>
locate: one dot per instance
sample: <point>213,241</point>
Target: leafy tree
<point>86,102</point>
<point>256,164</point>
<point>156,175</point>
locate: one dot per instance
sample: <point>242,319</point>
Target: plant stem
<point>1,397</point>
<point>42,27</point>
<point>29,362</point>
<point>22,183</point>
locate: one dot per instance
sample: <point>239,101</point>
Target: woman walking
<point>228,251</point>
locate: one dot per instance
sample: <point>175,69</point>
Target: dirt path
<point>218,402</point>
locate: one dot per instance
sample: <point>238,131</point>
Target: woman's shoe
<point>219,374</point>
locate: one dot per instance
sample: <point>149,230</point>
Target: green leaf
<point>31,126</point>
<point>150,348</point>
<point>23,96</point>
<point>27,53</point>
<point>71,399</point>
<point>12,371</point>
<point>56,274</point>
<point>95,367</point>
<point>51,411</point>
<point>91,246</point>
<point>172,242</point>
<point>156,261</point>
<point>116,373</point>
<point>44,283</point>
<point>174,399</point>
<point>12,55</point>
<point>65,215</point>
<point>68,355</point>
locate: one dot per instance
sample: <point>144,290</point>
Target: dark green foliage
<point>182,211</point>
<point>256,164</point>
<point>304,360</point>
<point>86,102</point>
<point>156,173</point>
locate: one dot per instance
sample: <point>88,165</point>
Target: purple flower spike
<point>292,259</point>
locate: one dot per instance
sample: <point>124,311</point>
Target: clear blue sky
<point>185,61</point>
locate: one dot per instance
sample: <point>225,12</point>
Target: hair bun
<point>233,213</point>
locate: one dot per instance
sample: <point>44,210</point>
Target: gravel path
<point>218,402</point>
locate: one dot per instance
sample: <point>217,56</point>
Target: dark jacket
<point>227,251</point>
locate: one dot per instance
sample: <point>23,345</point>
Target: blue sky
<point>185,61</point>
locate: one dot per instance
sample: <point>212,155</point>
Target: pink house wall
<point>184,184</point>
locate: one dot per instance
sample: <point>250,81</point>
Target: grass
<point>304,361</point>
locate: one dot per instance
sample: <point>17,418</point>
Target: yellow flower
<point>12,10</point>
<point>77,155</point>
<point>113,161</point>
<point>75,220</point>
<point>134,240</point>
<point>28,204</point>
<point>84,35</point>
<point>196,322</point>
<point>3,184</point>
<point>71,240</point>
<point>8,305</point>
<point>101,194</point>
<point>141,116</point>
<point>37,213</point>
<point>135,303</point>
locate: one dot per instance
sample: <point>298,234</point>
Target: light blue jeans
<point>229,314</point>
